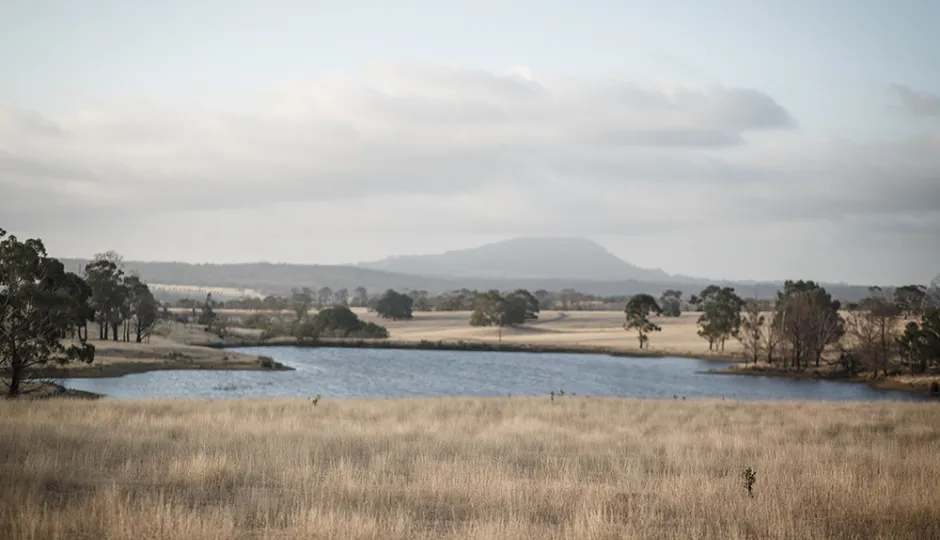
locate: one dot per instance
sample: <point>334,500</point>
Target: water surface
<point>334,372</point>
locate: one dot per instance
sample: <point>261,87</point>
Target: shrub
<point>267,362</point>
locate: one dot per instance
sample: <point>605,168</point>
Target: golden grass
<point>602,329</point>
<point>509,468</point>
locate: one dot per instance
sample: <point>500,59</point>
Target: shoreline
<point>877,383</point>
<point>133,368</point>
<point>119,366</point>
<point>475,346</point>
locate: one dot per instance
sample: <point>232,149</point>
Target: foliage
<point>911,299</point>
<point>750,478</point>
<point>302,330</point>
<point>336,321</point>
<point>208,316</point>
<point>341,297</point>
<point>371,330</point>
<point>360,297</point>
<point>524,302</point>
<point>872,325</point>
<point>493,309</point>
<point>105,276</point>
<point>459,300</point>
<point>420,300</point>
<point>920,343</point>
<point>38,300</point>
<point>808,320</point>
<point>324,297</point>
<point>721,314</point>
<point>394,305</point>
<point>671,303</point>
<point>142,307</point>
<point>751,334</point>
<point>301,302</point>
<point>637,312</point>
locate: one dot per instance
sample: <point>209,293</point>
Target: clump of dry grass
<point>515,468</point>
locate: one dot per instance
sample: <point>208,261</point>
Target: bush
<point>372,331</point>
<point>267,362</point>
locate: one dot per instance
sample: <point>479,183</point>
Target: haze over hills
<point>529,258</point>
<point>553,264</point>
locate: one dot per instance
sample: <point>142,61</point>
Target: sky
<point>723,138</point>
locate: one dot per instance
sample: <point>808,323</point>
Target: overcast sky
<point>724,139</point>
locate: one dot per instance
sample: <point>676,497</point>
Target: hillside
<point>270,278</point>
<point>528,258</point>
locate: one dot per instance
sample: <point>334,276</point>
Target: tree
<point>721,314</point>
<point>459,300</point>
<point>336,321</point>
<point>911,299</point>
<point>81,309</point>
<point>637,313</point>
<point>752,330</point>
<point>105,276</point>
<point>920,343</point>
<point>490,309</point>
<point>208,315</point>
<point>671,303</point>
<point>341,297</point>
<point>882,316</point>
<point>324,297</point>
<point>360,297</point>
<point>771,338</point>
<point>37,311</point>
<point>933,293</point>
<point>420,301</point>
<point>301,301</point>
<point>394,305</point>
<point>808,320</point>
<point>544,297</point>
<point>142,308</point>
<point>529,306</point>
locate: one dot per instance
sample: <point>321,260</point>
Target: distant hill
<point>270,278</point>
<point>528,258</point>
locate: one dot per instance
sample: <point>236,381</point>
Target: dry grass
<point>167,351</point>
<point>603,329</point>
<point>512,468</point>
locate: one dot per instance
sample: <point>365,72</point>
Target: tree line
<point>45,310</point>
<point>804,322</point>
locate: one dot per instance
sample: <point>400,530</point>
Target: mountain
<point>524,258</point>
<point>553,264</point>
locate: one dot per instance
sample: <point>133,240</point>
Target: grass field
<point>588,329</point>
<point>508,468</point>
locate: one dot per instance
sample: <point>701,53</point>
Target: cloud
<point>405,149</point>
<point>918,103</point>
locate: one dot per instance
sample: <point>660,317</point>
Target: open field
<point>507,468</point>
<point>573,329</point>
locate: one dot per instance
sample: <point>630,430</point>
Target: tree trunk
<point>16,376</point>
<point>114,330</point>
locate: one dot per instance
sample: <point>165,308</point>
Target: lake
<point>350,373</point>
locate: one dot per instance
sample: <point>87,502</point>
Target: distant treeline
<point>279,279</point>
